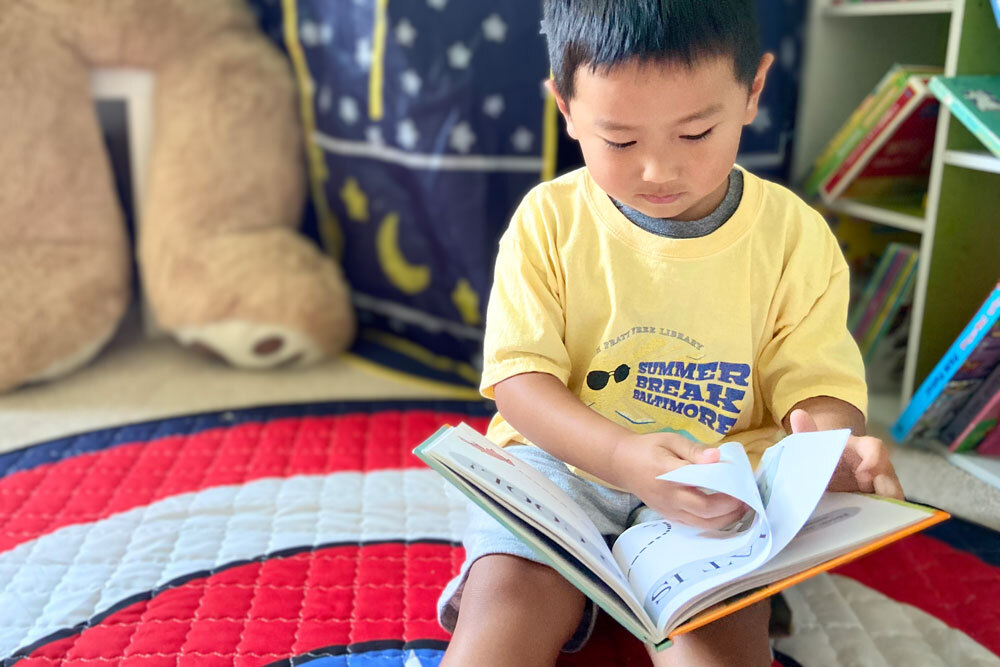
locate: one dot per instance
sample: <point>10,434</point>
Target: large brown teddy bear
<point>220,260</point>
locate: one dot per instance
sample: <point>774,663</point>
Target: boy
<point>648,306</point>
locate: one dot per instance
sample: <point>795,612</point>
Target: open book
<point>661,578</point>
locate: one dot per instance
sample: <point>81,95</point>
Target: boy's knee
<point>516,583</point>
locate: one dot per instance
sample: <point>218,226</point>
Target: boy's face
<point>662,138</point>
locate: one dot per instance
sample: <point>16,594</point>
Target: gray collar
<point>690,229</point>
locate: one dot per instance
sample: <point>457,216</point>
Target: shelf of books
<point>956,410</point>
<point>899,133</point>
<point>886,7</point>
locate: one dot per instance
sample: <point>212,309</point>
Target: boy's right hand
<point>639,458</point>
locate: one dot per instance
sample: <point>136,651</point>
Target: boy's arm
<point>865,465</point>
<point>548,414</point>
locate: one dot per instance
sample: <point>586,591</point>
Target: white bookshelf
<point>889,7</point>
<point>849,47</point>
<point>978,160</point>
<point>885,216</point>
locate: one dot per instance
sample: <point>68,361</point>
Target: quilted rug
<point>294,534</point>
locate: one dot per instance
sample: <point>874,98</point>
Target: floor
<point>137,379</point>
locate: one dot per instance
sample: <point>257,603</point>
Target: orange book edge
<point>725,608</point>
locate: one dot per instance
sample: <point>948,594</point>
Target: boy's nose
<point>660,170</point>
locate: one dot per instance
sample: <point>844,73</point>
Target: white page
<point>530,494</point>
<point>668,563</point>
<point>840,523</point>
<point>793,476</point>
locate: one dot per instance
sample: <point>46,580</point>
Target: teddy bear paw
<point>251,345</point>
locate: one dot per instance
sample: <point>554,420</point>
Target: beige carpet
<point>138,379</point>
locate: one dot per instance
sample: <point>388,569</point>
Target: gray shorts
<point>611,511</point>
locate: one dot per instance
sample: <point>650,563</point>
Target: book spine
<point>956,431</point>
<point>902,286</point>
<point>980,402</point>
<point>882,292</point>
<point>972,122</point>
<point>901,108</point>
<point>977,328</point>
<point>990,445</point>
<point>864,305</point>
<point>858,124</point>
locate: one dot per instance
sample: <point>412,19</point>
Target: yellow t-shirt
<point>716,337</point>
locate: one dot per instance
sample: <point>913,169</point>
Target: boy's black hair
<point>604,33</point>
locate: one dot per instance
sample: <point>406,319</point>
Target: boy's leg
<point>738,639</point>
<point>514,612</point>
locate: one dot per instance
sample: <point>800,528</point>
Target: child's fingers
<point>715,523</point>
<point>689,451</point>
<point>887,484</point>
<point>693,501</point>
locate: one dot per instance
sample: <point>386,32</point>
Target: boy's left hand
<point>864,466</point>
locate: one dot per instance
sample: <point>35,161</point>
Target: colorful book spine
<point>902,291</point>
<point>857,126</point>
<point>942,373</point>
<point>956,432</point>
<point>979,426</point>
<point>906,105</point>
<point>974,120</point>
<point>883,296</point>
<point>862,313</point>
<point>990,445</point>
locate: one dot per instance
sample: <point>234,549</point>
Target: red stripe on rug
<point>264,612</point>
<point>94,486</point>
<point>261,612</point>
<point>954,586</point>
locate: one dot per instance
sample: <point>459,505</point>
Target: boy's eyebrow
<point>704,113</point>
<point>613,126</point>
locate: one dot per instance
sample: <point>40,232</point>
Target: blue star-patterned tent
<point>427,123</point>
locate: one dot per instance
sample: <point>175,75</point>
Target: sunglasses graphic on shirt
<point>598,380</point>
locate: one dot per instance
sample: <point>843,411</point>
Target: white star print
<point>349,111</point>
<point>374,135</point>
<point>437,4</point>
<point>462,138</point>
<point>522,139</point>
<point>410,81</point>
<point>363,53</point>
<point>494,29</point>
<point>459,55</point>
<point>314,34</point>
<point>325,98</point>
<point>405,33</point>
<point>493,106</point>
<point>406,134</point>
<point>412,660</point>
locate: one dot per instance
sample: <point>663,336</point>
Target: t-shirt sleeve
<point>812,352</point>
<point>525,320</point>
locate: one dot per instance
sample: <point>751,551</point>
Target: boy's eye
<point>617,146</point>
<point>697,137</point>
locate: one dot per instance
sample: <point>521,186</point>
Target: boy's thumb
<point>709,455</point>
<point>802,422</point>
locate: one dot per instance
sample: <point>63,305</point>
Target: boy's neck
<point>695,228</point>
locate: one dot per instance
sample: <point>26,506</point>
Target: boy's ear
<point>550,86</point>
<point>757,87</point>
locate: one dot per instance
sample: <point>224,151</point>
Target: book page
<point>529,494</point>
<point>793,476</point>
<point>668,563</point>
<point>840,523</point>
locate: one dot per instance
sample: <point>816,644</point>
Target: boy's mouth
<point>662,199</point>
